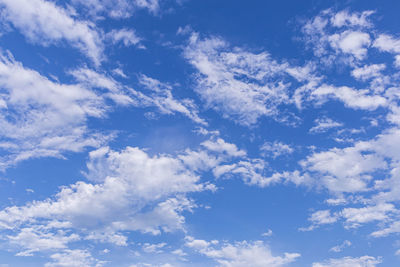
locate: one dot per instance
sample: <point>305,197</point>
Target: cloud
<point>355,19</point>
<point>324,124</point>
<point>351,42</point>
<point>340,247</point>
<point>241,85</point>
<point>239,254</point>
<point>364,261</point>
<point>339,37</point>
<point>352,98</point>
<point>73,257</point>
<point>131,191</point>
<point>125,36</point>
<point>45,23</point>
<point>276,149</point>
<point>388,43</point>
<point>344,170</point>
<point>367,72</point>
<point>117,9</point>
<point>159,94</point>
<point>46,120</point>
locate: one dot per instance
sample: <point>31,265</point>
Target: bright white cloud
<point>351,42</point>
<point>73,257</point>
<point>240,84</point>
<point>388,43</point>
<point>125,36</point>
<point>364,261</point>
<point>240,254</point>
<point>43,118</point>
<point>46,23</point>
<point>339,37</point>
<point>368,72</point>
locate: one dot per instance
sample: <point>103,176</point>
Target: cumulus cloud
<point>238,254</point>
<point>46,23</point>
<point>131,191</point>
<point>339,36</point>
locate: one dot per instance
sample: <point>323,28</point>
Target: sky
<point>199,133</point>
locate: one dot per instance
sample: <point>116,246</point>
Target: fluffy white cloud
<point>364,261</point>
<point>351,42</point>
<point>339,37</point>
<point>73,257</point>
<point>345,170</point>
<point>368,72</point>
<point>46,23</point>
<point>240,254</point>
<point>125,36</point>
<point>240,84</point>
<point>353,98</point>
<point>133,192</point>
<point>388,43</point>
<point>40,117</point>
<point>355,19</point>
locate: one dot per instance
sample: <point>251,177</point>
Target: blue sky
<point>199,133</point>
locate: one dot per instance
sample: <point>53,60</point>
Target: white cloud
<point>96,80</point>
<point>351,42</point>
<point>45,23</point>
<point>334,36</point>
<point>344,18</point>
<point>391,229</point>
<point>46,120</point>
<point>388,43</point>
<point>353,98</point>
<point>32,240</point>
<point>340,247</point>
<point>364,261</point>
<point>133,192</point>
<point>117,9</point>
<point>160,95</point>
<point>240,254</point>
<point>367,72</point>
<point>73,257</point>
<point>356,216</point>
<point>276,149</point>
<point>125,36</point>
<point>345,170</point>
<point>242,85</point>
<point>319,218</point>
<point>324,124</point>
<point>153,248</point>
